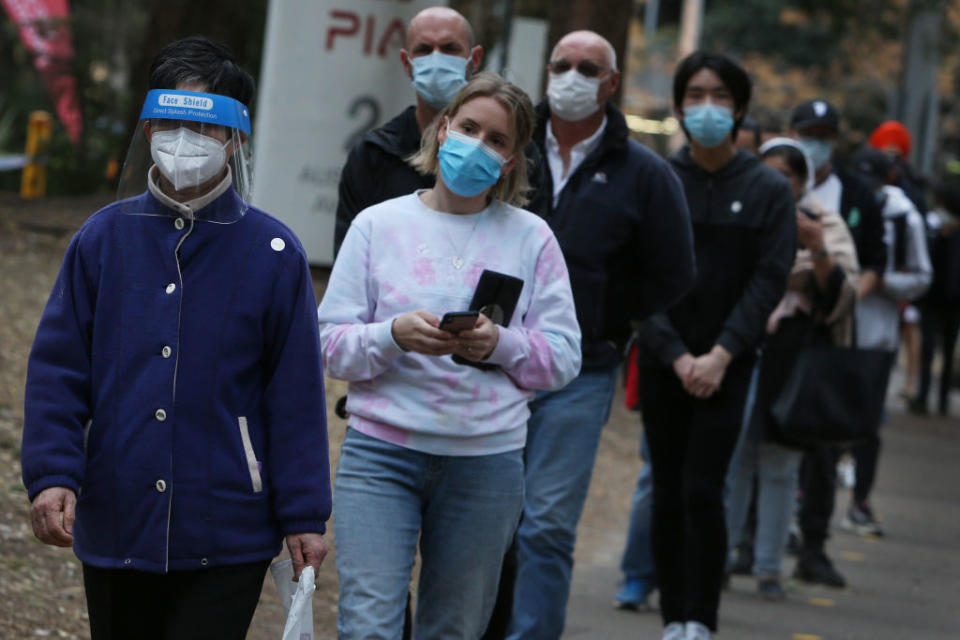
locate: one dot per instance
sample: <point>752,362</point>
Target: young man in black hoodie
<point>697,358</point>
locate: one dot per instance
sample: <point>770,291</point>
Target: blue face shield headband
<point>467,166</point>
<point>208,108</point>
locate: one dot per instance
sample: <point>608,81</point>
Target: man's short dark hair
<point>202,61</point>
<point>733,76</point>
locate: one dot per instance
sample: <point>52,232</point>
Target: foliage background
<point>849,51</point>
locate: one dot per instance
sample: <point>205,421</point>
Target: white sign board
<point>331,71</point>
<point>527,62</point>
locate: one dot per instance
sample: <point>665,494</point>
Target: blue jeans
<point>637,563</point>
<point>562,438</point>
<point>744,431</point>
<point>464,511</point>
<point>776,468</point>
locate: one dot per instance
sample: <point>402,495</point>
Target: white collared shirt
<point>578,153</point>
<point>829,193</point>
<point>187,208</point>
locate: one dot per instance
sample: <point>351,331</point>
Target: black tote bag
<point>835,395</point>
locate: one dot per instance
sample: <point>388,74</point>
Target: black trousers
<point>211,604</point>
<point>939,325</point>
<point>866,454</point>
<point>691,442</point>
<point>818,482</point>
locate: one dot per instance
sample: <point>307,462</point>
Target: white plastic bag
<point>297,599</point>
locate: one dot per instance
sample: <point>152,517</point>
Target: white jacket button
<point>161,486</point>
<point>178,223</point>
<point>160,415</point>
<point>171,288</point>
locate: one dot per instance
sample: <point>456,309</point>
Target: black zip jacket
<point>744,229</point>
<point>862,210</point>
<point>377,170</point>
<point>623,225</point>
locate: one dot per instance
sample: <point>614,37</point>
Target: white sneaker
<point>696,631</point>
<point>847,472</point>
<point>674,631</point>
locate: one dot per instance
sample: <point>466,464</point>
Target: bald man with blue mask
<point>440,57</point>
<point>441,54</point>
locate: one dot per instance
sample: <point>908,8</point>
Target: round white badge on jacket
<point>277,244</point>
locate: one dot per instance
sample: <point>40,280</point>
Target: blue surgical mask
<point>707,123</point>
<point>438,77</point>
<point>818,150</point>
<point>467,166</point>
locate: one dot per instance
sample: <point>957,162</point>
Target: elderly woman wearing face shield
<point>174,427</point>
<point>819,302</point>
<point>433,453</point>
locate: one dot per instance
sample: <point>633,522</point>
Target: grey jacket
<point>878,320</point>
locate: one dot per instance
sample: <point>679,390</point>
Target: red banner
<point>45,31</point>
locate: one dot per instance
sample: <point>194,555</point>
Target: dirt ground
<point>41,592</point>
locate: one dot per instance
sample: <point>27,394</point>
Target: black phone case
<point>454,317</point>
<point>496,297</point>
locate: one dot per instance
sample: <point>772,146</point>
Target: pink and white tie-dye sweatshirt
<point>401,256</point>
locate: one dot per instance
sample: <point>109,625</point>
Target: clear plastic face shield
<point>189,156</point>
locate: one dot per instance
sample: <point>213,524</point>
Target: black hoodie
<point>377,170</point>
<point>744,229</point>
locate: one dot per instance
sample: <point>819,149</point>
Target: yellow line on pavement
<point>806,636</point>
<point>853,556</point>
<point>822,602</point>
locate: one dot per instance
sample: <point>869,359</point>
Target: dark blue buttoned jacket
<point>175,383</point>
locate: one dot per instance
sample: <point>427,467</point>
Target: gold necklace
<point>458,252</point>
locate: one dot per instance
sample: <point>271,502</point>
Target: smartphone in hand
<point>457,321</point>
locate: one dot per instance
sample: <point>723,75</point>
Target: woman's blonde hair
<point>511,188</point>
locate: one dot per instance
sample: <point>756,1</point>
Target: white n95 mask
<point>572,96</point>
<point>187,158</point>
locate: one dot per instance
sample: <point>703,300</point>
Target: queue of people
<point>493,260</point>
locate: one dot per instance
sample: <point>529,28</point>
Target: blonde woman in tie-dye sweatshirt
<point>434,449</point>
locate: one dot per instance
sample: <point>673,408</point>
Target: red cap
<point>892,134</point>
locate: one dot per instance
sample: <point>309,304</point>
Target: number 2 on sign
<point>362,103</point>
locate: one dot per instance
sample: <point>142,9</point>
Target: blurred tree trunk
<point>610,18</point>
<point>919,100</point>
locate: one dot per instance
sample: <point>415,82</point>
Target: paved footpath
<point>905,586</point>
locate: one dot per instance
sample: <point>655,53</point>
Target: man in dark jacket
<point>697,358</point>
<point>622,222</point>
<point>377,168</point>
<point>816,126</point>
